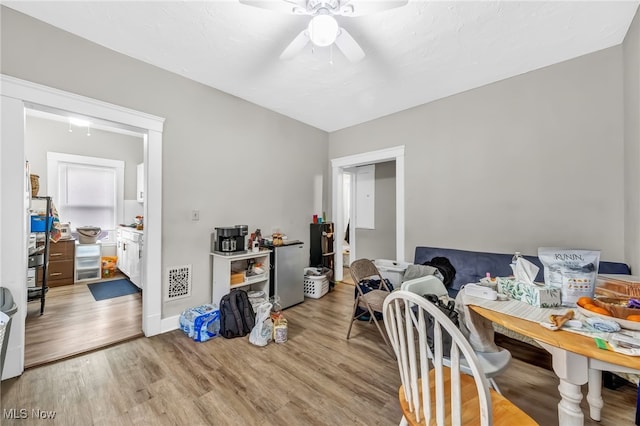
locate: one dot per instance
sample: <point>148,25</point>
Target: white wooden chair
<point>430,392</point>
<point>492,363</point>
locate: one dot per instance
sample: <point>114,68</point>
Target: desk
<point>576,360</point>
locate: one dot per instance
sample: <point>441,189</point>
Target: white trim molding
<point>17,96</point>
<point>338,167</point>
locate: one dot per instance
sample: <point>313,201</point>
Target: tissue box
<point>540,296</point>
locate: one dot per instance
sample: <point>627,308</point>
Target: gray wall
<point>380,243</point>
<point>43,135</point>
<point>534,160</point>
<point>234,161</point>
<point>631,52</point>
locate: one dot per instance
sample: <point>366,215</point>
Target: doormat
<point>110,289</point>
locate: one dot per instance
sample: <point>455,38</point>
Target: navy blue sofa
<point>473,265</point>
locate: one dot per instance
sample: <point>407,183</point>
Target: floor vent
<point>179,279</point>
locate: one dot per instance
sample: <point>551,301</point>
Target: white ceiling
<point>418,53</point>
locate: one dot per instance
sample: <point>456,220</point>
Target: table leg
<point>572,370</point>
<point>594,396</point>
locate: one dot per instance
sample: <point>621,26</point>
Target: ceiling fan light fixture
<point>323,30</point>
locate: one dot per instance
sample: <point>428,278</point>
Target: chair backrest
<point>429,284</point>
<point>424,387</point>
<point>364,268</point>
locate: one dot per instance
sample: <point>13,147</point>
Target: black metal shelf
<point>40,293</point>
<point>321,251</point>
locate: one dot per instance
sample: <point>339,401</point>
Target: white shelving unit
<point>87,264</point>
<point>224,264</point>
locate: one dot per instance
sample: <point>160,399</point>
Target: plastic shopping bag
<point>262,332</point>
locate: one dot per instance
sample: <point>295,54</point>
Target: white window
<point>87,191</point>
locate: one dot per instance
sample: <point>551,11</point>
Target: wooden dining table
<point>576,360</point>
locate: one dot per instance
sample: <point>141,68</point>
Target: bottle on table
<point>514,261</point>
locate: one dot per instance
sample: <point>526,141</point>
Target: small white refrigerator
<point>287,273</point>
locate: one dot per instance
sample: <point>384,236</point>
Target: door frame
<point>338,166</point>
<point>16,96</point>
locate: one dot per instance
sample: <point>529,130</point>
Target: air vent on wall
<point>179,282</point>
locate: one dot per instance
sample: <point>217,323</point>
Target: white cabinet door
<point>140,181</point>
<point>133,262</point>
<point>120,244</point>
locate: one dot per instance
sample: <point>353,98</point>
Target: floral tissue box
<point>541,296</point>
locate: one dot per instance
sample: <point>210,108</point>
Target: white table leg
<point>569,411</point>
<point>594,396</point>
<point>572,370</point>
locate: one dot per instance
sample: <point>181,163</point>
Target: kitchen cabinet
<point>87,265</point>
<point>129,246</point>
<point>61,263</point>
<point>224,265</point>
<point>140,183</point>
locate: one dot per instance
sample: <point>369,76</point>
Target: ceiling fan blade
<point>296,45</point>
<point>366,7</point>
<point>294,7</point>
<point>351,49</point>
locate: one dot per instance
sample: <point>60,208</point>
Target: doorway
<point>340,167</point>
<point>17,96</point>
<point>103,161</point>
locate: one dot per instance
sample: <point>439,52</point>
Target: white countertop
<point>128,228</point>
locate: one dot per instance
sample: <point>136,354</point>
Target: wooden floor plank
<point>73,322</point>
<point>316,378</point>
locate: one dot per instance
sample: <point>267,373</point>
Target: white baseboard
<point>170,324</point>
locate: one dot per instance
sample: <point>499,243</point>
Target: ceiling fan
<point>323,29</point>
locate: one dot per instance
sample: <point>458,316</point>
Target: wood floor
<point>74,322</point>
<point>316,378</point>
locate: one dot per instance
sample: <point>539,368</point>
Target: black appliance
<point>230,239</point>
<point>321,250</point>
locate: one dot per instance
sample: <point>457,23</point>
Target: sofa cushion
<point>473,265</point>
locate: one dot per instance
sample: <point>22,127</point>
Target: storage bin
<point>392,270</point>
<point>315,284</point>
<point>91,274</point>
<point>92,250</point>
<point>36,260</point>
<point>88,234</point>
<point>41,223</point>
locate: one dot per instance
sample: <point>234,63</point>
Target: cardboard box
<point>542,296</point>
<point>237,278</point>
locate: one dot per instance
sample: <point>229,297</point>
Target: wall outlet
<point>195,215</point>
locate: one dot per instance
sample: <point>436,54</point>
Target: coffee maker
<point>230,239</point>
